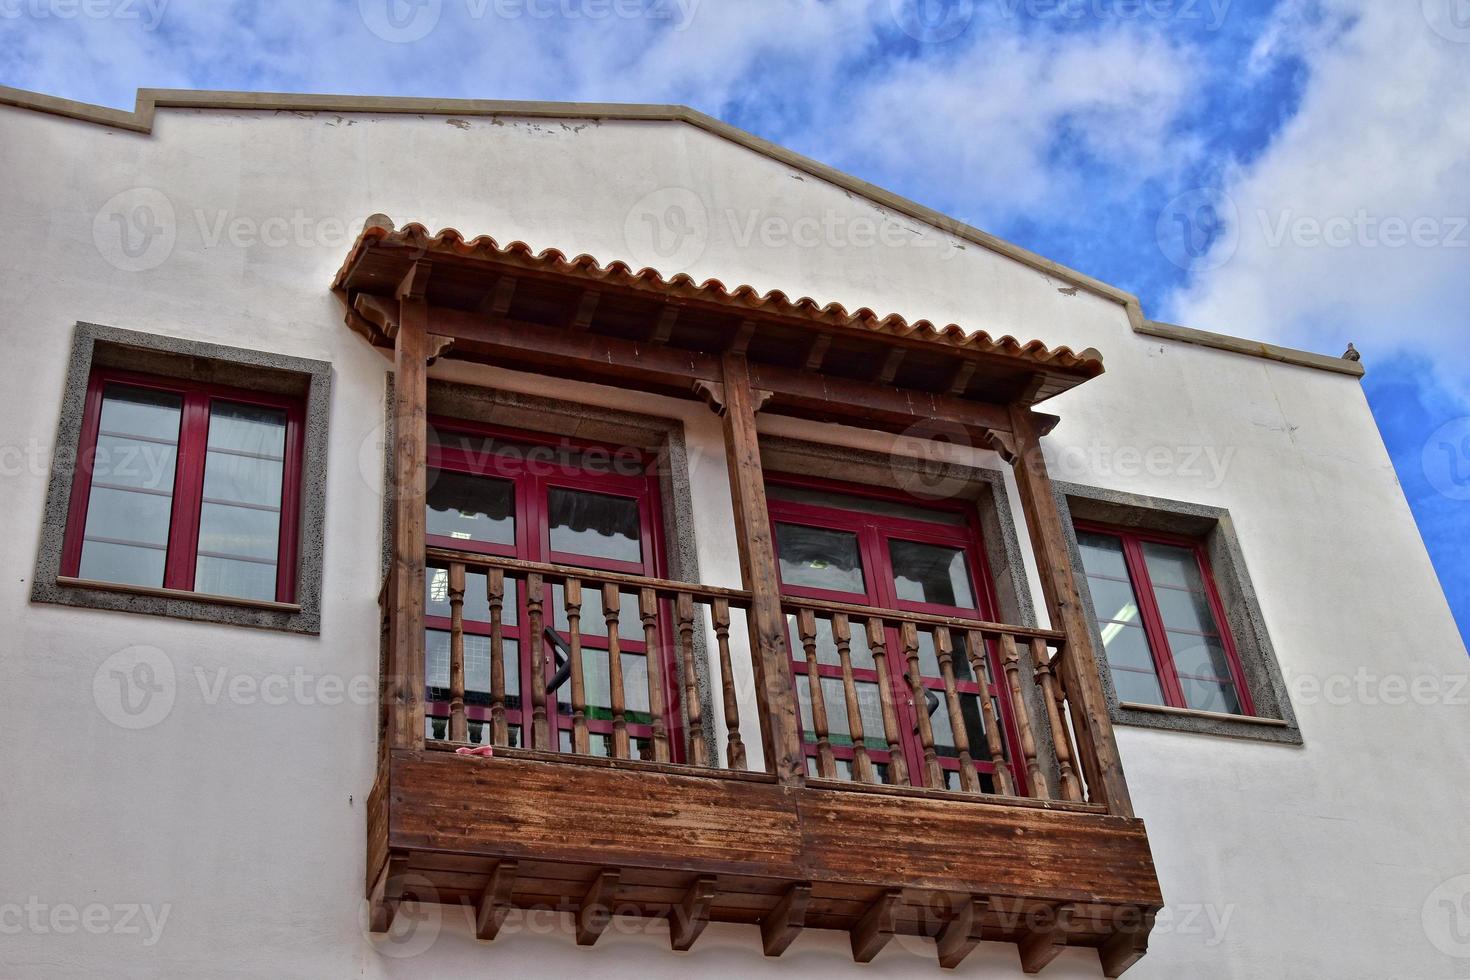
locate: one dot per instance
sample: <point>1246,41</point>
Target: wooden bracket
<point>387,893</point>
<point>499,300</point>
<point>1003,444</point>
<point>784,923</point>
<point>377,311</point>
<point>741,341</point>
<point>438,347</point>
<point>586,309</point>
<point>891,364</point>
<point>596,909</point>
<point>688,918</point>
<point>415,284</point>
<point>963,372</point>
<point>816,355</point>
<point>664,329</point>
<point>876,927</point>
<point>1042,945</point>
<point>962,934</point>
<point>494,903</point>
<point>1124,948</point>
<point>712,393</point>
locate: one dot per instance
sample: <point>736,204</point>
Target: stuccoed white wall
<point>243,821</point>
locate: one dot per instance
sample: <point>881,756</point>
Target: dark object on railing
<point>563,661</point>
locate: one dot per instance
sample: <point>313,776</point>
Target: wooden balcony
<point>679,819</point>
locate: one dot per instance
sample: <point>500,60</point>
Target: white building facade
<point>188,783</point>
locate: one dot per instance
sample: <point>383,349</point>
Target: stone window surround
<point>1275,721</point>
<point>98,345</point>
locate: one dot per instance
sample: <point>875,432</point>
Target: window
<point>187,487</point>
<point>1161,621</point>
<point>553,500</point>
<point>854,545</point>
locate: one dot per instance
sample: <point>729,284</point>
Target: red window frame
<point>532,480</point>
<point>183,542</point>
<point>874,531</point>
<point>1153,619</point>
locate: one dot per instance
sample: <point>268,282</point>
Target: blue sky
<point>1288,170</point>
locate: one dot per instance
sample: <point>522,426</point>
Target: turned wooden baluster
<point>806,627</point>
<point>1061,735</point>
<point>495,596</point>
<point>572,602</point>
<point>540,728</point>
<point>862,764</point>
<point>1012,661</point>
<point>979,665</point>
<point>898,769</point>
<point>648,609</point>
<point>458,728</point>
<point>934,775</point>
<point>612,601</point>
<point>693,709</point>
<point>944,649</point>
<point>735,748</point>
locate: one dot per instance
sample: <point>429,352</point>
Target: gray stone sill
<point>67,582</point>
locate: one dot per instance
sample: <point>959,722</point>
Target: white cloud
<point>1379,150</point>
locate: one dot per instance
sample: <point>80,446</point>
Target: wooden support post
<point>458,727</point>
<point>494,904</point>
<point>1096,745</point>
<point>387,893</point>
<point>876,927</point>
<point>960,935</point>
<point>735,746</point>
<point>775,687</point>
<point>572,603</point>
<point>688,918</point>
<point>409,492</point>
<point>595,911</point>
<point>1044,944</point>
<point>1125,948</point>
<point>780,928</point>
<point>540,665</point>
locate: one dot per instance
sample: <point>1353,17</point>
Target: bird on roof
<point>1352,354</point>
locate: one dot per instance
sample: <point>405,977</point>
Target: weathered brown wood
<point>409,493</point>
<point>693,708</point>
<point>612,600</point>
<point>458,730</point>
<point>1096,743</point>
<point>1011,661</point>
<point>888,616</point>
<point>963,372</point>
<point>648,611</point>
<point>495,596</point>
<point>898,770</point>
<point>780,724</point>
<point>666,588</point>
<point>535,623</point>
<point>784,923</point>
<point>890,367</point>
<point>816,354</point>
<point>862,763</point>
<point>933,773</point>
<point>734,744</point>
<point>1122,951</point>
<point>1046,942</point>
<point>980,667</point>
<point>960,935</point>
<point>664,329</point>
<point>572,603</point>
<point>494,903</point>
<point>876,928</point>
<point>586,309</point>
<point>945,652</point>
<point>498,303</point>
<point>688,918</point>
<point>595,912</point>
<point>806,628</point>
<point>387,893</point>
<point>1061,734</point>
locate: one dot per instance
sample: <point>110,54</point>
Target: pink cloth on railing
<point>483,751</point>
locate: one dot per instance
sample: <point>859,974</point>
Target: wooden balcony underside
<point>1043,877</point>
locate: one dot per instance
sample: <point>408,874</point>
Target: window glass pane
<point>476,597</point>
<point>1136,687</point>
<point>816,558</point>
<point>597,687</point>
<point>240,518</point>
<point>1189,611</point>
<point>931,573</point>
<point>470,508</point>
<point>870,707</point>
<point>227,531</point>
<point>1199,656</point>
<point>943,725</point>
<point>858,652</point>
<point>476,667</point>
<point>130,503</point>
<point>864,505</point>
<point>231,478</point>
<point>539,458</point>
<point>594,524</point>
<point>1102,554</point>
<point>594,618</point>
<point>1127,646</point>
<point>243,579</point>
<point>1113,601</point>
<point>1210,696</point>
<point>1173,567</point>
<point>252,429</point>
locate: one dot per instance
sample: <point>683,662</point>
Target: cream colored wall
<point>242,821</point>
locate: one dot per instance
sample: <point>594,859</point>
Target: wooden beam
<point>494,904</point>
<point>664,329</point>
<point>891,364</point>
<point>960,935</point>
<point>387,893</point>
<point>876,927</point>
<point>1125,948</point>
<point>1097,746</point>
<point>501,297</point>
<point>586,309</point>
<point>595,911</point>
<point>409,490</point>
<point>784,923</point>
<point>688,918</point>
<point>963,372</point>
<point>816,354</point>
<point>1044,944</point>
<point>775,685</point>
